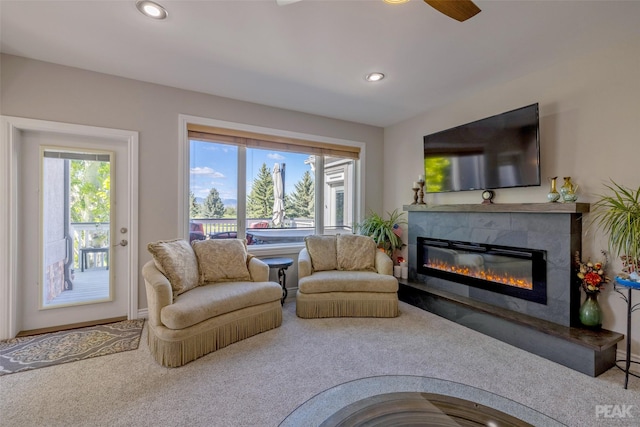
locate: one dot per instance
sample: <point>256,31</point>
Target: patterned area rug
<point>38,351</point>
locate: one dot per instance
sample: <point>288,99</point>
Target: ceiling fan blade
<point>460,10</point>
<point>285,2</point>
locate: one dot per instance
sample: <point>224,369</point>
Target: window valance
<point>270,142</point>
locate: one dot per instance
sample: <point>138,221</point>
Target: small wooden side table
<point>281,264</point>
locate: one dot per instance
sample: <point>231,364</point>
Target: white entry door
<point>76,233</point>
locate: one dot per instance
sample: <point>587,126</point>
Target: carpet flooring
<point>39,351</point>
<point>261,380</point>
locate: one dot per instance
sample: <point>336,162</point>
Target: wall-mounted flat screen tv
<point>500,151</point>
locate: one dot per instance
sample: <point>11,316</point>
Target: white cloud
<point>206,171</point>
<point>275,156</point>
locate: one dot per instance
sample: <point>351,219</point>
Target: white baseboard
<point>291,294</point>
<point>622,355</point>
<point>143,313</point>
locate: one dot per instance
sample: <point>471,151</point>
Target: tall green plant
<point>381,230</point>
<point>618,215</point>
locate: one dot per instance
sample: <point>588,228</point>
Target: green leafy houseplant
<point>618,214</point>
<point>382,230</point>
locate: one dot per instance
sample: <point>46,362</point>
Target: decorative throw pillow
<point>222,260</point>
<point>322,250</point>
<point>355,252</point>
<point>177,261</point>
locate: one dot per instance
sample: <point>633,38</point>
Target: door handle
<point>123,242</point>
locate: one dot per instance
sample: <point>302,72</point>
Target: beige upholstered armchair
<point>345,276</point>
<point>205,296</point>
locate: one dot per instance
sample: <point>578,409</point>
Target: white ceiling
<point>311,56</point>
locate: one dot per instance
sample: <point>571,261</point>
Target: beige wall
<point>590,126</point>
<point>590,130</point>
<point>46,91</point>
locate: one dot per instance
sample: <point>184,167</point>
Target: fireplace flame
<point>489,275</point>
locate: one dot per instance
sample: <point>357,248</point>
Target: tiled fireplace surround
<point>550,330</point>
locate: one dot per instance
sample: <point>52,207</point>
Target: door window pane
<point>76,232</point>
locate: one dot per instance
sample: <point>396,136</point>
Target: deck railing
<point>87,235</point>
<point>220,225</point>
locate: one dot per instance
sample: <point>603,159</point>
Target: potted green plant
<point>618,215</point>
<point>385,232</point>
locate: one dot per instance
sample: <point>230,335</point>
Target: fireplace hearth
<point>463,294</point>
<point>514,271</point>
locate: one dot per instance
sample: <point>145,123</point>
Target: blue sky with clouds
<point>214,165</point>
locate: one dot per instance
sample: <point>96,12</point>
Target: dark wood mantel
<point>568,208</point>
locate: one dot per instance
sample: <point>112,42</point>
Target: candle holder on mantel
<point>421,202</point>
<point>415,195</point>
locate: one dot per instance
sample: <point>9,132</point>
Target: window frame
<point>275,249</point>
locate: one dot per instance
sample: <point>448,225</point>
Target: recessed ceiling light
<point>151,9</point>
<point>374,77</point>
<point>395,1</point>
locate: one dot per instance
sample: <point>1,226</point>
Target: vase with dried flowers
<point>592,280</point>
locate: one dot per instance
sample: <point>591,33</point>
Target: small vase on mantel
<point>591,312</point>
<point>568,190</point>
<point>553,194</point>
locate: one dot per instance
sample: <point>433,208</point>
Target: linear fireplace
<point>555,229</point>
<point>514,271</point>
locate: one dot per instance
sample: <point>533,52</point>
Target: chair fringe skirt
<point>172,348</point>
<point>311,306</point>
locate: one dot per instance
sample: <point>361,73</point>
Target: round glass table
<point>400,400</point>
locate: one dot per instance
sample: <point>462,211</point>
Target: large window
<point>269,192</point>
